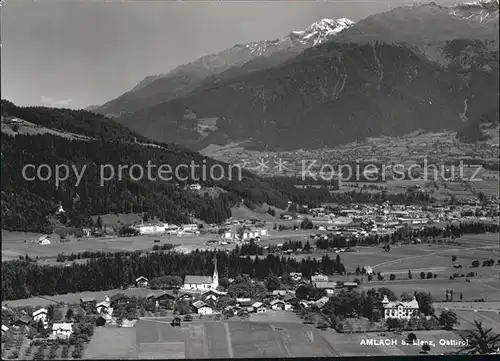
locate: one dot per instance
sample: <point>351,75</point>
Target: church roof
<point>197,279</point>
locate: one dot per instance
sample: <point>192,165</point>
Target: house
<point>5,328</point>
<point>400,309</point>
<point>165,298</point>
<point>205,310</point>
<point>151,228</point>
<point>321,302</point>
<point>261,309</point>
<point>279,293</point>
<point>211,295</point>
<point>176,322</point>
<point>104,306</point>
<point>89,300</point>
<point>244,302</point>
<point>21,321</point>
<point>43,240</point>
<point>184,296</point>
<point>190,227</point>
<point>319,278</point>
<point>41,315</point>
<point>202,308</point>
<point>328,286</point>
<point>202,283</point>
<point>119,300</point>
<point>350,285</point>
<point>142,282</point>
<point>277,305</point>
<point>62,330</point>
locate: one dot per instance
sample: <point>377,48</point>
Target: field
<point>112,343</point>
<point>75,297</point>
<point>13,244</point>
<point>470,290</point>
<point>153,339</point>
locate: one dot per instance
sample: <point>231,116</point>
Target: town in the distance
<point>345,200</point>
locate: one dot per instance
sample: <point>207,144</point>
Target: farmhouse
<point>151,228</point>
<point>202,283</point>
<point>350,285</point>
<point>44,240</point>
<point>319,278</point>
<point>103,307</point>
<point>141,282</point>
<point>5,328</point>
<point>212,295</point>
<point>202,308</point>
<point>21,321</point>
<point>400,309</point>
<point>62,330</point>
<point>163,299</point>
<point>190,227</point>
<point>41,315</point>
<point>328,286</point>
<point>280,305</point>
<point>321,302</point>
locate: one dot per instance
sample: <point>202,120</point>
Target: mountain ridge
<point>159,88</point>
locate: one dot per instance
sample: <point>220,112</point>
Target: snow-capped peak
<point>320,31</point>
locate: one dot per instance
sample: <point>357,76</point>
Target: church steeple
<point>215,277</point>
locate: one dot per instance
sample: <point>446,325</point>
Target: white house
<point>104,306</point>
<point>400,309</point>
<point>202,283</point>
<point>190,227</point>
<point>151,228</point>
<point>44,239</point>
<point>62,330</point>
<point>202,308</point>
<point>5,328</point>
<point>319,278</point>
<point>41,315</point>
<point>141,282</point>
<point>205,310</point>
<point>195,187</point>
<point>278,305</point>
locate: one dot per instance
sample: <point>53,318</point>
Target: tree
<point>306,224</point>
<point>425,303</point>
<point>448,319</point>
<point>273,283</point>
<point>453,258</point>
<point>99,222</point>
<point>429,275</point>
<point>411,338</point>
<point>422,275</point>
<point>393,276</point>
<point>475,264</point>
<point>480,341</point>
<point>426,348</point>
<point>461,296</point>
<point>405,296</point>
<point>394,323</point>
<point>409,275</point>
<point>69,314</point>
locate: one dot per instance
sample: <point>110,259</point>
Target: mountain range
<point>422,66</point>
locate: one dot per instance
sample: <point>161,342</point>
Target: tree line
<point>23,279</point>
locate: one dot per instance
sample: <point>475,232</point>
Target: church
<point>202,283</point>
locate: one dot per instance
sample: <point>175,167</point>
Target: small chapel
<point>202,283</point>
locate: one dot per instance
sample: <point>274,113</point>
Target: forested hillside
<point>26,204</point>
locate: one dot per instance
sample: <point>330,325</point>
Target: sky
<point>78,53</point>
